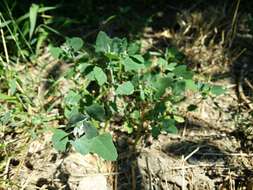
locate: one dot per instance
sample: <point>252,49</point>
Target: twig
<point>149,174</point>
<point>5,47</point>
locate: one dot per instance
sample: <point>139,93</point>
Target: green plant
<point>117,85</point>
<point>25,34</point>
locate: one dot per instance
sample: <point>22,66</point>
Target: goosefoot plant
<point>120,87</point>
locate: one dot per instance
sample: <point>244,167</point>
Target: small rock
<point>97,182</point>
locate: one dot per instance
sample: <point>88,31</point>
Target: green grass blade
<point>33,18</point>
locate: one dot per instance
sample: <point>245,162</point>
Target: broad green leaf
<point>181,71</point>
<point>171,66</point>
<point>168,125</point>
<point>60,140</point>
<point>33,12</point>
<point>83,66</point>
<point>76,118</point>
<point>55,52</point>
<point>126,88</point>
<point>217,90</point>
<point>162,62</point>
<point>103,43</point>
<point>161,84</point>
<point>99,75</point>
<point>96,111</point>
<point>75,43</point>
<point>104,147</point>
<point>178,87</point>
<point>91,76</point>
<point>69,112</point>
<point>138,57</point>
<point>133,48</point>
<point>72,98</point>
<point>155,131</point>
<point>82,145</point>
<point>118,46</point>
<point>190,84</point>
<point>131,65</point>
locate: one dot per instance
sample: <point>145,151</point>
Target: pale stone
<point>97,182</point>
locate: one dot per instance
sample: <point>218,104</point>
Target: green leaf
<point>155,131</point>
<point>82,145</point>
<point>103,43</point>
<point>131,65</point>
<point>217,90</point>
<point>138,58</point>
<point>133,48</point>
<point>190,84</point>
<point>181,71</point>
<point>126,88</point>
<point>75,43</point>
<point>83,66</point>
<point>72,98</point>
<point>168,125</point>
<point>99,75</point>
<point>12,86</point>
<point>60,140</point>
<point>96,111</point>
<point>161,84</point>
<point>33,12</point>
<point>178,87</point>
<point>171,66</point>
<point>55,52</point>
<point>6,97</point>
<point>104,147</point>
<point>162,62</point>
<point>127,127</point>
<point>178,118</point>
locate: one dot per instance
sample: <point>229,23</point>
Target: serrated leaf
<point>104,147</point>
<point>103,43</point>
<point>99,75</point>
<point>217,90</point>
<point>126,88</point>
<point>60,140</point>
<point>55,52</point>
<point>131,65</point>
<point>96,111</point>
<point>82,145</point>
<point>33,12</point>
<point>75,43</point>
